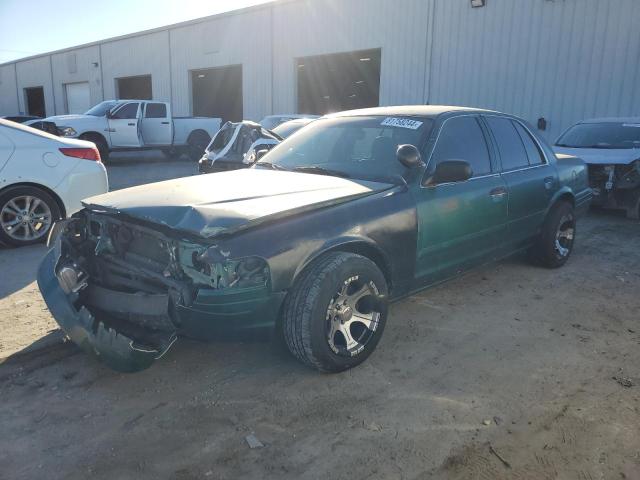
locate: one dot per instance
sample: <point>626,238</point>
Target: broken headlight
<point>214,268</point>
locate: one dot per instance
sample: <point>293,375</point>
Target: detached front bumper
<point>113,348</point>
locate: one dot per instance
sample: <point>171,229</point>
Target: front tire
<point>336,312</point>
<point>26,215</point>
<point>555,242</point>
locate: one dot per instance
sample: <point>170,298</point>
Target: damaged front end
<point>616,187</point>
<point>125,292</point>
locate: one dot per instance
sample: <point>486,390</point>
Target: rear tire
<point>101,145</point>
<point>335,315</point>
<point>26,215</point>
<point>196,144</point>
<point>554,245</point>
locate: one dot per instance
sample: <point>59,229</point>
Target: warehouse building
<point>552,62</point>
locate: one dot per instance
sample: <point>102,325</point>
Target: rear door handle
<point>548,182</point>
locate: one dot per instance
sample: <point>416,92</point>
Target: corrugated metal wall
<point>81,65</point>
<point>8,90</point>
<point>311,27</point>
<point>141,55</point>
<point>228,40</point>
<point>36,72</point>
<point>563,60</point>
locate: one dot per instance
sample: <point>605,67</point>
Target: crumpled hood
<point>602,156</point>
<point>223,203</point>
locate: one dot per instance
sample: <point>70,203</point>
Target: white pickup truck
<point>115,125</point>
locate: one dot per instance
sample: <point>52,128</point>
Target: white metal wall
<point>228,40</point>
<point>8,90</point>
<point>311,27</point>
<point>563,60</point>
<point>82,65</point>
<point>36,72</point>
<point>146,54</point>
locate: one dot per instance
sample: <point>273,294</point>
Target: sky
<point>30,27</point>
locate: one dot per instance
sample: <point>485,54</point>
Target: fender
<point>355,244</point>
<point>564,193</point>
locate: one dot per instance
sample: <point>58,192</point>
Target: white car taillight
<point>84,153</point>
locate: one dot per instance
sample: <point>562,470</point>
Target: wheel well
<point>92,134</point>
<point>196,132</point>
<point>53,194</point>
<point>370,252</point>
<point>565,197</point>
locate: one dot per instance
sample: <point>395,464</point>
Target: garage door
<point>78,97</point>
<point>339,81</point>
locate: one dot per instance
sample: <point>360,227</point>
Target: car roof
<point>408,111</point>
<point>612,120</point>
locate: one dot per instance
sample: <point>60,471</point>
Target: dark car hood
<point>223,203</point>
<point>602,156</point>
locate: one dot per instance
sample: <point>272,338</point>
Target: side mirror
<point>109,114</point>
<point>261,153</point>
<point>450,171</point>
<point>409,156</point>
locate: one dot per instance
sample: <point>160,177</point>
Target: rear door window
<point>533,151</point>
<point>512,152</point>
<point>156,110</point>
<point>461,138</point>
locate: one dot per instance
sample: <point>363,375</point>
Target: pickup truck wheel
<point>101,145</point>
<point>555,243</point>
<point>26,215</point>
<point>335,314</point>
<point>196,143</point>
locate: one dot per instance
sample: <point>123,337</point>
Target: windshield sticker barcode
<point>401,123</point>
<point>636,125</point>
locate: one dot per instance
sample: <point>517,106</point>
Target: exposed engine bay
<point>134,280</point>
<point>616,186</point>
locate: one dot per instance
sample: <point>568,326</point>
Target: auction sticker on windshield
<point>401,123</point>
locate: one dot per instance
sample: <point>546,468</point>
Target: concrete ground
<point>509,372</point>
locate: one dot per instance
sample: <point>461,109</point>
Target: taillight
<point>84,153</point>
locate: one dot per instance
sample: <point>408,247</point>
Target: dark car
<point>20,118</point>
<point>354,211</point>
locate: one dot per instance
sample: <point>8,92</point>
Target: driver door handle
<point>131,124</point>
<point>498,192</point>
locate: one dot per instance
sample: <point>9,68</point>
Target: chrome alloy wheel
<point>564,236</point>
<point>25,218</point>
<point>352,317</point>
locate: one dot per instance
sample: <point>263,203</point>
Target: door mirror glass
<point>109,114</point>
<point>409,156</point>
<point>450,171</point>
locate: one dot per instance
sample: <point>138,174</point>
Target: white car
<point>272,121</point>
<point>43,178</point>
<point>119,125</point>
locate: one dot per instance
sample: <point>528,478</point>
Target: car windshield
<point>354,147</point>
<point>602,135</point>
<point>271,122</point>
<point>101,109</point>
<point>289,128</point>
